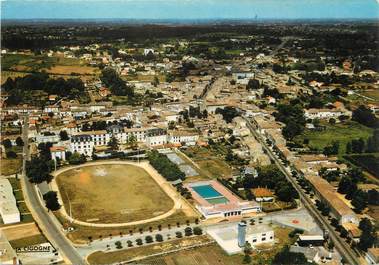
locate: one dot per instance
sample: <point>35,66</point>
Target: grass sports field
<point>112,194</point>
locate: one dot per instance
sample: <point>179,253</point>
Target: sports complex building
<point>212,199</point>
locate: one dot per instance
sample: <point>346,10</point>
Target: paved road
<point>48,226</point>
<point>339,243</point>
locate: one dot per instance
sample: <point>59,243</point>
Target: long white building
<point>85,142</point>
<point>8,208</point>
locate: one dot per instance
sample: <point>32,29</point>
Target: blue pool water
<point>207,191</point>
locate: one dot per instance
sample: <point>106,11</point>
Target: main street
<point>339,243</point>
<point>50,229</point>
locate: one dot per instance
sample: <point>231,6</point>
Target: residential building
<point>327,194</point>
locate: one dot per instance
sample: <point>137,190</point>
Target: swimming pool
<point>210,194</point>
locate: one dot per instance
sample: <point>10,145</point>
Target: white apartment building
<point>156,136</point>
<point>178,137</point>
<point>82,143</point>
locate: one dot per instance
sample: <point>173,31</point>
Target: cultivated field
<point>10,166</point>
<point>112,194</point>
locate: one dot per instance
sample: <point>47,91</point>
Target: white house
<point>58,152</point>
<point>147,51</point>
<point>325,113</point>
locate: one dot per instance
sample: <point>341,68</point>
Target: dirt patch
<point>21,231</point>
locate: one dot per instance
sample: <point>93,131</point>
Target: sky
<point>189,9</point>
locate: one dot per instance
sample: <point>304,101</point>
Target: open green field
<point>213,166</point>
<point>10,166</point>
<point>342,132</point>
<point>112,194</point>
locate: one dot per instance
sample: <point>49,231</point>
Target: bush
<point>149,239</point>
<point>164,166</point>
<point>118,244</point>
<point>158,238</point>
<point>188,231</point>
<point>130,243</point>
<point>197,231</point>
<point>179,234</point>
<point>11,154</point>
<point>139,241</point>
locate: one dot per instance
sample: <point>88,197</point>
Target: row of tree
<point>365,116</point>
<point>164,166</point>
<point>357,146</point>
<point>359,198</point>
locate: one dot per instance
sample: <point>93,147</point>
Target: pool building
<point>212,199</point>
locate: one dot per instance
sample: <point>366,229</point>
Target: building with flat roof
<point>227,236</point>
<point>212,199</point>
<point>8,208</point>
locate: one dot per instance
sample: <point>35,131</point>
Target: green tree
<point>368,236</point>
<point>364,116</point>
<point>287,257</point>
<point>197,231</point>
<point>113,143</point>
<point>76,159</point>
<point>11,154</point>
<point>155,82</point>
<point>51,201</point>
<point>253,84</point>
<point>118,244</point>
<point>63,135</point>
<point>19,141</point>
<point>348,148</point>
<point>149,239</point>
<point>360,200</point>
<point>246,259</point>
<point>158,238</point>
<point>132,141</point>
<point>38,170</point>
<point>7,143</point>
<point>188,231</point>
